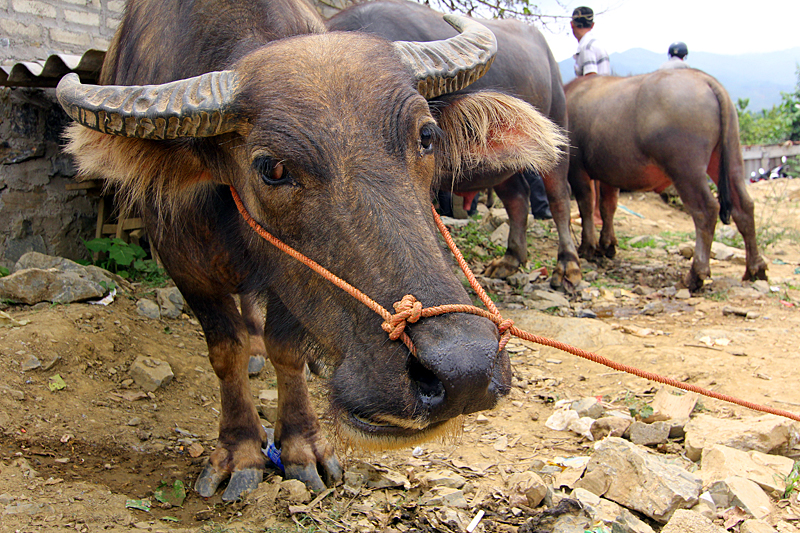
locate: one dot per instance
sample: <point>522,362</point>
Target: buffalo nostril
<point>430,388</point>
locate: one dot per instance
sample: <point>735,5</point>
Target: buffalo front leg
<point>567,273</point>
<point>514,193</point>
<point>306,453</point>
<point>581,188</point>
<point>609,196</point>
<point>253,315</point>
<point>238,454</point>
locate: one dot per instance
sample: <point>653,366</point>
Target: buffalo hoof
<point>587,252</point>
<point>310,475</point>
<point>256,365</point>
<point>242,481</point>
<point>566,278</point>
<point>208,481</point>
<point>502,267</point>
<point>757,272</point>
<point>693,281</point>
<point>608,251</point>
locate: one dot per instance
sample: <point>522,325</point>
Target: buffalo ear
<point>495,132</point>
<point>170,173</point>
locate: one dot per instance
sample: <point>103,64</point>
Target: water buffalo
<point>330,142</point>
<point>644,132</point>
<point>524,67</point>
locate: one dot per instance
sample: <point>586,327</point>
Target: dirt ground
<point>74,458</point>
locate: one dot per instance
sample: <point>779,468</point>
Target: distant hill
<point>759,77</point>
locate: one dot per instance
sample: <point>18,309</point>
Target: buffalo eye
<point>272,171</point>
<point>426,135</point>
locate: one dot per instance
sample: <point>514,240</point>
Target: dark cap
<point>583,17</point>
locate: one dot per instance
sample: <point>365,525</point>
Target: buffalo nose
<point>458,369</point>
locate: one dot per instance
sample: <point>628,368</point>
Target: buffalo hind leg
<point>699,201</point>
<point>305,451</point>
<point>743,215</point>
<point>238,454</point>
<point>514,193</point>
<point>567,272</point>
<point>253,315</point>
<point>609,196</point>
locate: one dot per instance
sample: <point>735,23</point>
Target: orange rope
<point>409,310</point>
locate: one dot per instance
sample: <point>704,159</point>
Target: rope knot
<point>408,310</point>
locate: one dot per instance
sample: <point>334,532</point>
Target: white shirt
<point>591,57</point>
<point>674,62</point>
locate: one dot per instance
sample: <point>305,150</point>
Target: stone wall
<point>37,212</point>
<point>36,29</point>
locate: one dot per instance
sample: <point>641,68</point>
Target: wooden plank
<point>127,225</point>
<point>84,185</point>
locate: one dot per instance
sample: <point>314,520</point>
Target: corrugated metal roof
<point>47,73</point>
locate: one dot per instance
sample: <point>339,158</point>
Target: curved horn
<point>194,107</point>
<point>442,67</point>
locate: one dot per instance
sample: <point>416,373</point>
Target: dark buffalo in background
<point>646,132</point>
<point>525,68</point>
<point>333,149</point>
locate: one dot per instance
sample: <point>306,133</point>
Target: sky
<point>716,26</point>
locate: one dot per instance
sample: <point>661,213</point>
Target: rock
<point>31,286</point>
<point>294,490</point>
<point>762,286</point>
<point>756,526</point>
<point>31,362</point>
<point>445,496</point>
<point>653,308</point>
<point>379,477</point>
<point>148,308</point>
<point>150,374</point>
<point>61,264</point>
<point>743,493</point>
<point>609,426</point>
<point>566,517</point>
<point>683,294</point>
<point>669,406</point>
<point>589,406</point>
<point>442,479</point>
<point>649,434</point>
<point>170,302</point>
<point>526,488</point>
<point>686,249</point>
<point>635,478</point>
<point>768,434</point>
<point>546,299</point>
<point>684,521</point>
<point>586,313</point>
<point>615,517</point>
<point>768,471</point>
<point>520,279</point>
<point>706,506</point>
<point>561,419</point>
<point>500,235</point>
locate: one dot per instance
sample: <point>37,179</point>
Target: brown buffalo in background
<point>525,68</point>
<point>333,148</point>
<point>645,132</point>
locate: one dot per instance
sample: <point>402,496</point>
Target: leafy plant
<point>125,259</point>
<point>4,272</point>
<point>792,480</point>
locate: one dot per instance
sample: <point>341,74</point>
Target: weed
<point>126,260</point>
<point>474,243</point>
<point>4,272</point>
<point>637,407</point>
<point>792,481</point>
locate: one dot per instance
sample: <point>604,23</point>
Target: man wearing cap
<point>677,56</point>
<point>591,57</point>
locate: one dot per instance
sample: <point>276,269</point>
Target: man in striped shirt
<point>591,57</point>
